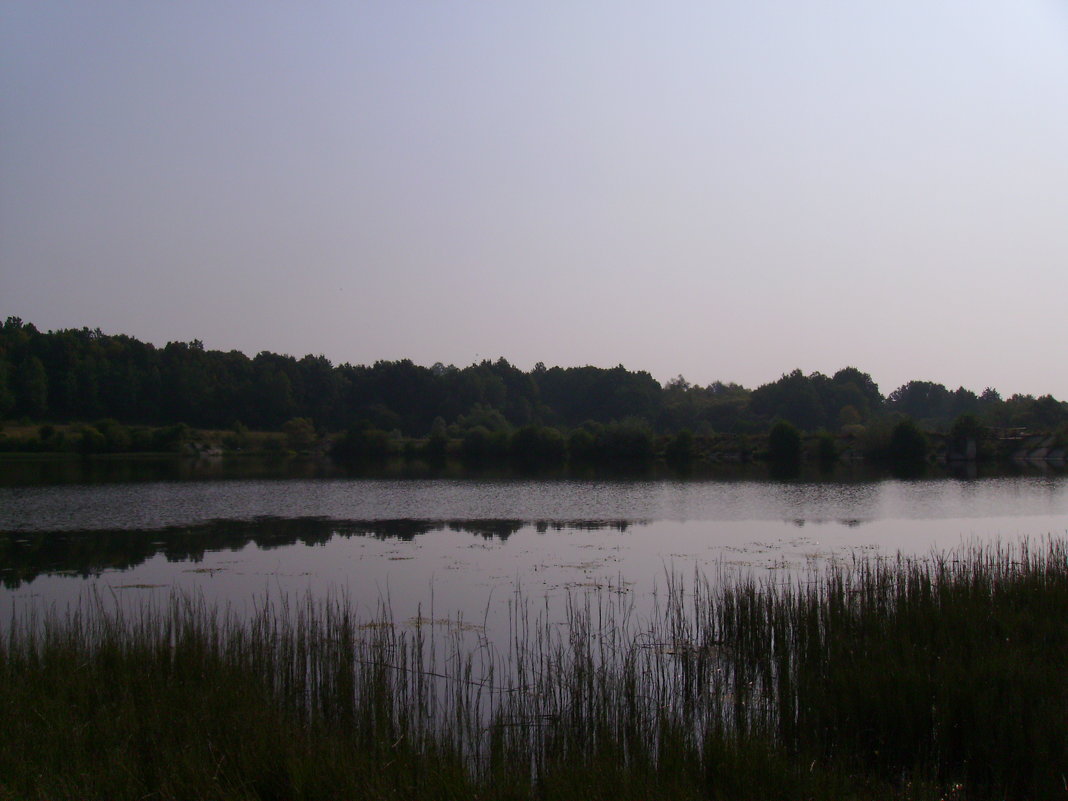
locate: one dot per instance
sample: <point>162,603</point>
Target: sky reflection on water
<point>162,504</point>
<point>449,548</point>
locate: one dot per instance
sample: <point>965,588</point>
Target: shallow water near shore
<point>456,548</point>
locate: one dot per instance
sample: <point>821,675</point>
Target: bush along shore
<point>937,678</point>
<point>896,441</point>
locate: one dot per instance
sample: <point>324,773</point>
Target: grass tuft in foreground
<point>910,678</point>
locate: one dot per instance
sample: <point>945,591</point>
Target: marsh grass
<point>942,677</point>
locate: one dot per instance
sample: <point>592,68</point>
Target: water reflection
<point>43,470</point>
<point>24,556</point>
<point>455,543</point>
<point>166,505</point>
<point>472,568</point>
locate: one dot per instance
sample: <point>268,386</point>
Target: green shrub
<point>116,436</point>
<point>170,438</point>
<point>300,433</point>
<point>629,440</point>
<point>479,444</point>
<point>826,448</point>
<point>537,445</point>
<point>908,445</point>
<point>680,449</point>
<point>582,445</point>
<point>92,441</point>
<point>361,444</point>
<point>784,443</point>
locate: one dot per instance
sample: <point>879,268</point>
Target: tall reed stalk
<point>904,678</point>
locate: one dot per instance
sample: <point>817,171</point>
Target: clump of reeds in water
<point>952,669</point>
<point>908,678</point>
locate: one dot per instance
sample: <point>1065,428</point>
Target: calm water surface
<point>464,547</point>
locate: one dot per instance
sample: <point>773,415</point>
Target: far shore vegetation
<point>914,678</point>
<point>85,392</point>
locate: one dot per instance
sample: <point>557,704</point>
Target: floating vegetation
<point>141,586</point>
<point>906,678</point>
<point>446,623</point>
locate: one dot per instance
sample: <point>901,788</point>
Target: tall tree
<point>7,397</point>
<point>32,388</point>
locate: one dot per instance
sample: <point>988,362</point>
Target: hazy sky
<point>726,190</point>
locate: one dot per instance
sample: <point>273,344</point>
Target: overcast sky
<point>726,190</point>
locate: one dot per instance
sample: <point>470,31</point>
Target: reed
<point>942,677</point>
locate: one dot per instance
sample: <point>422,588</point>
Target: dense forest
<point>86,375</point>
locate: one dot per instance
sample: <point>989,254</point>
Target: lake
<point>464,548</point>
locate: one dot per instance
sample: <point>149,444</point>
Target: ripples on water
<point>161,504</point>
<point>464,547</point>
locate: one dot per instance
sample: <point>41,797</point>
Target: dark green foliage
<point>582,445</point>
<point>117,438</point>
<point>1041,413</point>
<point>896,440</point>
<point>793,399</point>
<point>908,445</point>
<point>32,386</point>
<point>577,394</point>
<point>361,444</point>
<point>483,417</point>
<point>275,446</point>
<point>300,433</point>
<point>680,448</point>
<point>966,438</point>
<point>717,407</point>
<point>851,387</point>
<point>826,448</point>
<point>480,445</point>
<point>436,446</point>
<point>933,404</point>
<point>239,439</point>
<point>784,443</point>
<point>816,401</point>
<point>964,427</point>
<point>102,436</point>
<point>170,438</point>
<point>629,440</point>
<point>537,446</point>
<point>7,397</point>
<point>84,375</point>
<point>92,440</point>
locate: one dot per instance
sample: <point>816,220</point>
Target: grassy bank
<point>917,679</point>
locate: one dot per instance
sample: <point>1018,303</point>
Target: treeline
<point>86,375</point>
